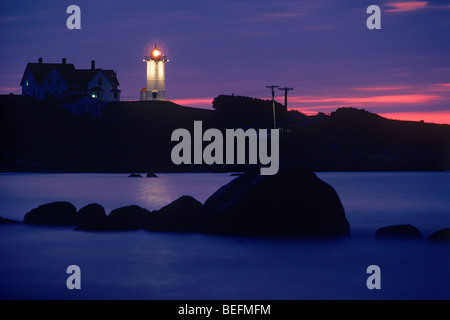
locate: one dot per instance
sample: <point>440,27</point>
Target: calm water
<point>145,265</point>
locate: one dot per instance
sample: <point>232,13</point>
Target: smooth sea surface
<point>155,265</point>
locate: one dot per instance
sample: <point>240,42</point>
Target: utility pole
<point>285,103</point>
<point>273,104</point>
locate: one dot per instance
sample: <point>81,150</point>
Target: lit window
<point>93,95</point>
<point>26,82</point>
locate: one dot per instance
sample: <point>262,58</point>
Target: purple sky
<point>321,48</point>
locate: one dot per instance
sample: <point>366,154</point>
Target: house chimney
<point>40,60</point>
<point>92,64</point>
<point>63,60</point>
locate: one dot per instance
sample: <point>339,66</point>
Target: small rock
<point>151,175</point>
<point>135,175</point>
<point>7,221</point>
<point>403,231</point>
<point>440,236</point>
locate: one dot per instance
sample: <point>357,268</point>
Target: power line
<point>286,89</point>
<point>285,95</point>
<point>273,104</point>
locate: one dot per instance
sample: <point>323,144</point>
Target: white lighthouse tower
<point>156,80</point>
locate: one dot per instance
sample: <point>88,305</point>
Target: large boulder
<point>60,213</point>
<point>402,231</point>
<point>292,203</point>
<point>182,215</point>
<point>127,218</point>
<point>91,217</point>
<point>440,236</point>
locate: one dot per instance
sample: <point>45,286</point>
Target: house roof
<point>112,75</point>
<point>40,71</point>
<point>74,77</point>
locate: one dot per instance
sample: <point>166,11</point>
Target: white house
<point>57,80</point>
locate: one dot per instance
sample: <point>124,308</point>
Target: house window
<point>93,95</point>
<point>26,82</point>
<point>100,82</point>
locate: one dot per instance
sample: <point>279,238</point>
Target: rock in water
<point>91,217</point>
<point>134,175</point>
<point>60,213</point>
<point>127,218</point>
<point>7,221</point>
<point>182,215</point>
<point>402,231</point>
<point>292,203</point>
<point>151,175</point>
<point>440,236</point>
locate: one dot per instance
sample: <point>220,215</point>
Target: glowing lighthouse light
<point>156,53</point>
<point>156,81</point>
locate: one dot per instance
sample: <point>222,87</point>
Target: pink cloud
<point>406,6</point>
<point>381,88</point>
<point>444,85</point>
<point>401,98</point>
<point>194,102</point>
<point>6,90</point>
<point>276,16</point>
<point>441,117</point>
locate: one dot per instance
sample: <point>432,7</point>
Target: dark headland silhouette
<point>41,136</point>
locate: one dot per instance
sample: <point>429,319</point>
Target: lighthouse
<point>156,79</point>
